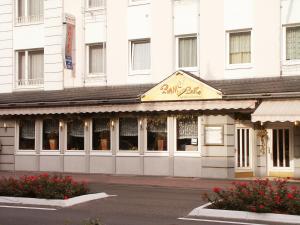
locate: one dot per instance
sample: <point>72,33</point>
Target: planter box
<point>53,202</point>
<point>230,214</point>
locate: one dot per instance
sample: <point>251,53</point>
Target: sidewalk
<point>178,182</point>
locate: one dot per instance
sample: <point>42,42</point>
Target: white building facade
<point>86,86</point>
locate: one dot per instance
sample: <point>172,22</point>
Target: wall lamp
<point>61,124</point>
<point>112,124</point>
<point>296,123</point>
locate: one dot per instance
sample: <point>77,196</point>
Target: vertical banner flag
<point>69,41</point>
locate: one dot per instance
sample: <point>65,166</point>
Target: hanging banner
<point>69,41</point>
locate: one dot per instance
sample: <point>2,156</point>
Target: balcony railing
<point>30,82</point>
<point>30,19</point>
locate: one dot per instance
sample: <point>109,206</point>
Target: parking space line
<point>218,221</point>
<point>25,207</point>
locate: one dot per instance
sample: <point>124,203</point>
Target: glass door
<point>243,149</point>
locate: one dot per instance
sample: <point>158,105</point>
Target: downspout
<point>280,38</point>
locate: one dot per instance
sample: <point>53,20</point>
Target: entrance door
<point>280,155</point>
<point>243,157</point>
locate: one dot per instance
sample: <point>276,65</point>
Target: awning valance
<point>137,107</point>
<point>277,111</point>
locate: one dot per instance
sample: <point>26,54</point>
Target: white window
<point>94,4</point>
<point>140,56</point>
<point>243,148</point>
<point>128,134</point>
<point>29,11</point>
<point>138,2</point>
<point>27,134</point>
<point>293,43</point>
<point>157,133</point>
<point>75,135</point>
<point>187,133</point>
<point>50,134</point>
<point>96,59</point>
<point>240,47</point>
<point>187,52</point>
<point>30,67</point>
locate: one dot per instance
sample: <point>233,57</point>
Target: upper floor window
<point>240,47</point>
<point>29,11</point>
<point>97,59</point>
<point>140,56</point>
<point>30,68</point>
<point>93,4</point>
<point>292,43</point>
<point>187,52</point>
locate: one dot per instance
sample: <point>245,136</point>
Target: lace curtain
<point>187,52</point>
<point>51,126</point>
<point>157,125</point>
<point>76,128</point>
<point>35,7</point>
<point>240,47</point>
<point>27,129</point>
<point>97,59</point>
<point>36,65</point>
<point>140,55</point>
<point>101,125</point>
<point>128,127</point>
<point>187,128</point>
<point>292,43</point>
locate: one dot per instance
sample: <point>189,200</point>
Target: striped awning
<point>277,111</point>
<point>137,107</point>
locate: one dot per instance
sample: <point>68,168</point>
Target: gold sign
<point>181,86</point>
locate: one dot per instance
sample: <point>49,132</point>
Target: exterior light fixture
<point>296,123</point>
<point>141,123</point>
<point>5,126</point>
<point>86,124</point>
<point>112,124</point>
<point>61,124</point>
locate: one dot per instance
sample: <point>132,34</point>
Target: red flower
<point>290,196</point>
<point>261,206</point>
<point>66,197</point>
<point>217,189</point>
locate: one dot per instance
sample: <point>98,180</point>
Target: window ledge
<point>291,62</point>
<point>158,153</point>
<point>239,66</point>
<point>77,152</point>
<point>28,23</point>
<point>188,154</point>
<point>49,152</point>
<point>128,153</point>
<point>101,153</point>
<point>101,8</point>
<point>139,73</point>
<point>26,152</point>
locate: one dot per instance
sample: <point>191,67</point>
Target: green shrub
<point>261,196</point>
<point>42,186</point>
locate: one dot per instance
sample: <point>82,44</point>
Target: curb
<point>53,202</point>
<point>230,214</point>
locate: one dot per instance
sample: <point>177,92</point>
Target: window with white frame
<point>140,56</point>
<point>128,134</point>
<point>30,67</point>
<point>29,11</point>
<point>93,4</point>
<point>51,134</point>
<point>101,134</point>
<point>138,2</point>
<point>187,52</point>
<point>187,133</point>
<point>157,134</point>
<point>97,59</point>
<point>240,47</point>
<point>75,135</point>
<point>27,134</point>
<point>243,148</point>
<point>293,43</point>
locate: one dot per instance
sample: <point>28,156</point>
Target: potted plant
<point>103,140</point>
<point>53,140</point>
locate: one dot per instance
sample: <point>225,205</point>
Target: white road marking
<point>219,221</point>
<point>24,207</point>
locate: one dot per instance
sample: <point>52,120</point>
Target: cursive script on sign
<point>180,90</point>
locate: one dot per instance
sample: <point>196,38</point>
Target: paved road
<point>133,205</point>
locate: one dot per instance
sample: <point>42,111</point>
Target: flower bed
<point>43,186</point>
<point>261,196</point>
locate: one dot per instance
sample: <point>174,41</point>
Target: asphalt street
<point>132,205</point>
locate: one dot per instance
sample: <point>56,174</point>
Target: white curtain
<point>140,55</point>
<point>240,48</point>
<point>36,65</point>
<point>21,8</point>
<point>157,125</point>
<point>293,43</point>
<point>128,127</point>
<point>101,125</point>
<point>21,65</point>
<point>27,129</point>
<point>76,128</point>
<point>187,128</point>
<point>97,59</point>
<point>51,126</point>
<point>35,7</point>
<point>96,3</point>
<point>187,51</point>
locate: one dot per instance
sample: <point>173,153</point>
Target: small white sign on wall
<point>214,135</point>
